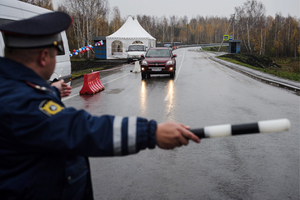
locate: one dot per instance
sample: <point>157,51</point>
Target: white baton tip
<point>218,131</point>
<point>272,126</point>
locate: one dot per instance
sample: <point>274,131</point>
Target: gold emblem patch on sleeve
<point>50,108</point>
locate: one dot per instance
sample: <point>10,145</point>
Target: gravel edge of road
<point>258,77</point>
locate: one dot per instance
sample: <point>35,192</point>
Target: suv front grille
<point>157,63</point>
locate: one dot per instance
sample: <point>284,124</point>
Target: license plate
<point>157,69</point>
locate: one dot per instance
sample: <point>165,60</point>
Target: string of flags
<point>85,49</point>
<point>100,43</point>
<point>81,50</point>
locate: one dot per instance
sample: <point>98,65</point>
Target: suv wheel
<point>148,75</point>
<point>172,74</point>
<point>143,75</point>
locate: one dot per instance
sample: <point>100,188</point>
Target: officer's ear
<point>43,57</point>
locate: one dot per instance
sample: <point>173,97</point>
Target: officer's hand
<point>65,90</point>
<point>170,135</point>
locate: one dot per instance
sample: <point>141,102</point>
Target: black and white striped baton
<point>269,126</point>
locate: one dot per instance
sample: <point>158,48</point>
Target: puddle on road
<point>115,91</point>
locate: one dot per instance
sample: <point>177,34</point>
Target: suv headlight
<point>144,62</point>
<point>170,62</point>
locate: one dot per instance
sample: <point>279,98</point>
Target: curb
<point>258,77</point>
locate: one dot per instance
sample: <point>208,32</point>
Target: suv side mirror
<point>143,56</point>
<point>174,56</point>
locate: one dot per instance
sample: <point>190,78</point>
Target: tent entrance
<point>117,47</point>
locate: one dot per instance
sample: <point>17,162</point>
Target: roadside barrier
<point>91,84</point>
<point>137,67</point>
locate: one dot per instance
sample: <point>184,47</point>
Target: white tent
<point>130,33</point>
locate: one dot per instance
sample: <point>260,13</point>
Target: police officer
<point>44,146</point>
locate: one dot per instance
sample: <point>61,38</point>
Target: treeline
<point>260,34</point>
<point>265,35</point>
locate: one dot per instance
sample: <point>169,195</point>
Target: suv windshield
<point>158,53</point>
<point>136,48</point>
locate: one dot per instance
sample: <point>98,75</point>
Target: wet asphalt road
<point>203,93</point>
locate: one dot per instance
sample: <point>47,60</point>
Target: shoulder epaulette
<point>41,88</point>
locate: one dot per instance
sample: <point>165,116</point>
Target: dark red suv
<point>158,60</point>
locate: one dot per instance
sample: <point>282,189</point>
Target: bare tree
<point>116,19</point>
<point>164,28</point>
<point>42,3</point>
<point>87,15</point>
<point>173,22</point>
<point>249,15</point>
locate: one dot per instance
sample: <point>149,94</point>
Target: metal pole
<point>233,30</point>
<point>231,20</point>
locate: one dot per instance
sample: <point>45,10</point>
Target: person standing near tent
<point>44,146</point>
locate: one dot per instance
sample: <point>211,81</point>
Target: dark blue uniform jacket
<point>44,146</point>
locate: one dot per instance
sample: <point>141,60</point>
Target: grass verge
<point>80,73</point>
<point>288,68</point>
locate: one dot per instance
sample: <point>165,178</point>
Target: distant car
<point>158,60</point>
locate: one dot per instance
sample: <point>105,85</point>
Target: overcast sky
<point>192,8</point>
